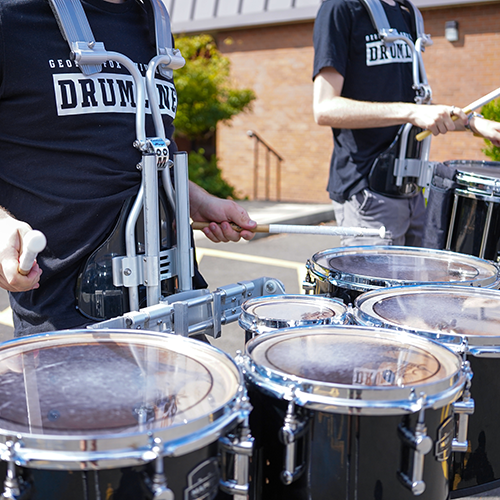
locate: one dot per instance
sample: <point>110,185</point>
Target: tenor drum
<point>468,321</point>
<point>123,415</point>
<point>475,214</point>
<point>271,313</point>
<point>347,272</point>
<point>350,412</point>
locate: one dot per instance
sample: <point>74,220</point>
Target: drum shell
<point>349,456</point>
<point>90,445</point>
<point>194,476</point>
<point>478,469</point>
<point>351,440</point>
<point>385,267</point>
<point>267,314</point>
<point>468,228</point>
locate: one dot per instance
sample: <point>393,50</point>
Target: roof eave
<point>252,20</point>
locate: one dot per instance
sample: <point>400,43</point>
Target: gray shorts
<point>403,217</point>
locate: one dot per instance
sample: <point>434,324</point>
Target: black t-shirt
<point>345,39</point>
<point>67,161</point>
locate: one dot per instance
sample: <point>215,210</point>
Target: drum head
<point>281,311</point>
<point>354,369</point>
<point>367,267</point>
<point>82,385</point>
<point>447,314</point>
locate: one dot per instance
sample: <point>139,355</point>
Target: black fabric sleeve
<point>332,32</point>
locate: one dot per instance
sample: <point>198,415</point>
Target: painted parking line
<point>254,259</point>
<point>6,317</point>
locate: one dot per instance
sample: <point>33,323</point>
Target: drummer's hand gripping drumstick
<point>289,228</point>
<point>467,110</point>
<point>33,243</point>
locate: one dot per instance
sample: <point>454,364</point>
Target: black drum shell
<point>478,469</point>
<point>466,232</point>
<point>349,456</point>
<point>129,483</point>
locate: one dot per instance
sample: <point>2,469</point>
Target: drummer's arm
<point>488,129</point>
<point>219,213</point>
<point>12,231</point>
<point>333,110</point>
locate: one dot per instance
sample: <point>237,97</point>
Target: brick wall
<point>276,62</point>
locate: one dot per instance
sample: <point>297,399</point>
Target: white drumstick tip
<point>33,243</point>
<point>381,232</point>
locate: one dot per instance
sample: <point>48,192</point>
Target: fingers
<point>224,232</point>
<point>10,248</point>
<point>221,213</point>
<point>13,281</point>
<point>440,119</point>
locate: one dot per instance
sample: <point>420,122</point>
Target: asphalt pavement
<point>280,256</point>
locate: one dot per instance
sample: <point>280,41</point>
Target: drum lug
<point>463,409</point>
<point>158,483</point>
<point>15,487</point>
<point>307,285</point>
<point>293,429</point>
<point>421,444</point>
<point>240,446</point>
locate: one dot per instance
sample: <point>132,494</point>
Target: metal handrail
<point>268,151</point>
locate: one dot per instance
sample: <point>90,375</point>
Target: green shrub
<point>492,112</point>
<point>208,175</point>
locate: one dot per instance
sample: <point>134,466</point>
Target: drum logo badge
<point>203,481</point>
<point>445,434</point>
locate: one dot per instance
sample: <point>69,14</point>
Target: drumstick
<point>467,110</point>
<point>294,229</point>
<point>33,243</point>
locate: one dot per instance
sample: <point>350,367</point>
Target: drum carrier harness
<point>404,167</point>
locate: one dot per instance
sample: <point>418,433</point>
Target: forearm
<point>340,112</point>
<point>332,109</point>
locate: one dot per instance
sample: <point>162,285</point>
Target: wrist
<point>471,119</point>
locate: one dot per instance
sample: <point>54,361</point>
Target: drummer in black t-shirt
<point>67,164</point>
<point>363,91</point>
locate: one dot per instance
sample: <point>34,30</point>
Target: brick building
<point>269,43</point>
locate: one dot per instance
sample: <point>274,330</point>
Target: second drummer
<point>365,94</point>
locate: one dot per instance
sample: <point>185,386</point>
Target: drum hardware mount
<point>419,171</point>
<point>15,487</point>
<point>195,311</point>
<point>158,484</point>
<point>421,444</point>
<point>240,446</point>
<point>463,409</point>
<point>294,428</point>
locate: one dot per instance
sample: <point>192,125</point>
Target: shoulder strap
<point>381,23</point>
<point>76,29</point>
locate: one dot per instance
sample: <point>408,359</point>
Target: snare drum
<point>350,412</point>
<point>475,215</point>
<point>268,314</point>
<point>466,320</point>
<point>109,414</point>
<point>347,272</point>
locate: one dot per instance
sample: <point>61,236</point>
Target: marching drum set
<point>378,382</point>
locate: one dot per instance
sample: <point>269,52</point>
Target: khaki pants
<point>403,217</point>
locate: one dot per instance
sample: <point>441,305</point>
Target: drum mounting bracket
<point>294,428</point>
<point>195,311</point>
<point>421,444</point>
<point>240,446</point>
